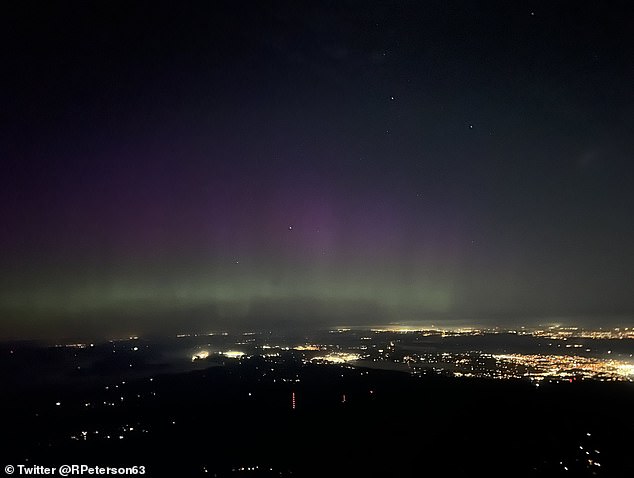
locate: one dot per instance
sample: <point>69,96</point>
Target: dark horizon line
<point>405,327</point>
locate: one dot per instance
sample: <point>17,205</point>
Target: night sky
<point>169,167</point>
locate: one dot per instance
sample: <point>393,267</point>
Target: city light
<point>337,357</point>
<point>201,355</point>
<point>307,347</point>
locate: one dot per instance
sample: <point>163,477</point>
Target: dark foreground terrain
<point>236,418</point>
